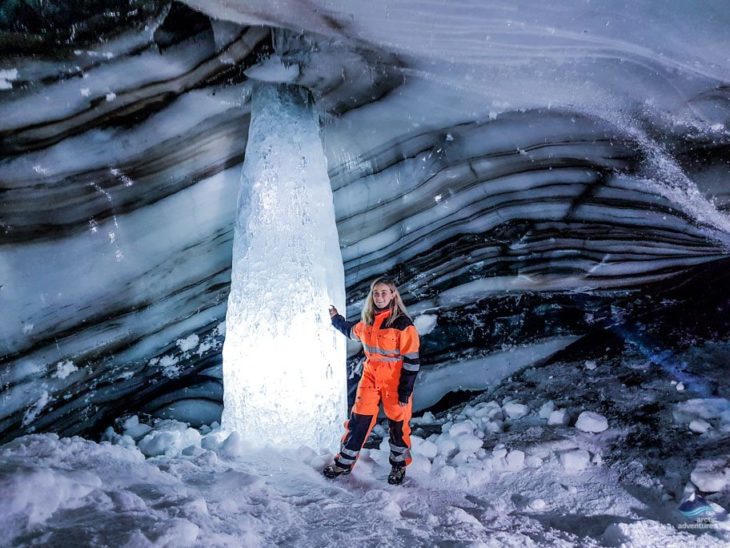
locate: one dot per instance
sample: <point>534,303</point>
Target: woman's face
<point>382,295</point>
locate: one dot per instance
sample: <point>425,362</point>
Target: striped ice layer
<point>519,168</point>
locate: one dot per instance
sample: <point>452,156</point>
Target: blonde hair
<point>396,306</point>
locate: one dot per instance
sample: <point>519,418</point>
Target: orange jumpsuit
<point>389,373</point>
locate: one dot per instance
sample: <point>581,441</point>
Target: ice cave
<point>187,186</point>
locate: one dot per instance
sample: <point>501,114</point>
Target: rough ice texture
<point>283,363</point>
<point>559,417</point>
<point>516,410</point>
<point>574,460</point>
<point>528,171</point>
<point>711,475</point>
<point>588,421</point>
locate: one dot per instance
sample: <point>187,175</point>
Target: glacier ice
<point>530,173</point>
<point>283,364</point>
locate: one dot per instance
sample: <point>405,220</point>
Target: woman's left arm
<point>409,345</point>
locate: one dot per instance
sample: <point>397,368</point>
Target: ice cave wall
<point>537,176</point>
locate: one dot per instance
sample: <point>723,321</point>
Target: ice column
<point>283,363</point>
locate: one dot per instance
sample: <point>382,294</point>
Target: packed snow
<point>491,472</point>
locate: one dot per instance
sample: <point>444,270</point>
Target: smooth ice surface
<point>283,363</point>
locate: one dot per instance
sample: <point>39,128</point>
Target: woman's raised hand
<point>333,311</point>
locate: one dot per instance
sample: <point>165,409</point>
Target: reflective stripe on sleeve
<point>411,366</point>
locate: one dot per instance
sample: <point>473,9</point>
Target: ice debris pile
<point>493,471</point>
<point>468,451</point>
<point>708,417</point>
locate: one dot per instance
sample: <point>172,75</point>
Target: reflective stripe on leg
<point>358,429</point>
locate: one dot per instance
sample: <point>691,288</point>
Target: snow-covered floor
<point>504,470</point>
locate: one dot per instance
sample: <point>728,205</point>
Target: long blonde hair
<point>396,306</point>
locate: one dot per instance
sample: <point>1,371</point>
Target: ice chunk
<point>574,460</point>
<point>559,417</point>
<point>464,427</point>
<point>447,473</point>
<point>490,410</point>
<point>423,447</point>
<point>426,418</point>
<point>233,446</point>
<point>468,443</point>
<point>703,408</point>
<point>546,409</point>
<point>515,460</point>
<point>131,427</point>
<point>699,425</point>
<point>516,410</point>
<point>711,475</point>
<point>168,438</point>
<point>588,421</point>
<point>446,446</point>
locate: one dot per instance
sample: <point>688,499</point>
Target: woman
<point>391,346</point>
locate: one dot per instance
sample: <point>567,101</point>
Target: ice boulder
<point>589,421</point>
<point>515,410</point>
<point>515,460</point>
<point>425,448</point>
<point>463,427</point>
<point>169,438</point>
<point>546,409</point>
<point>700,426</point>
<point>559,417</point>
<point>468,443</point>
<point>574,460</point>
<point>711,475</point>
<point>132,428</point>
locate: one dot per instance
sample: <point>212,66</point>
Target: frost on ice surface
<point>188,343</point>
<point>36,408</point>
<point>64,369</point>
<point>6,78</point>
<point>425,323</point>
<point>283,363</point>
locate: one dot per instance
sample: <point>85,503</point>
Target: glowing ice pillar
<point>284,374</point>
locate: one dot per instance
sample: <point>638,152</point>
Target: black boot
<point>397,473</point>
<point>332,471</point>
